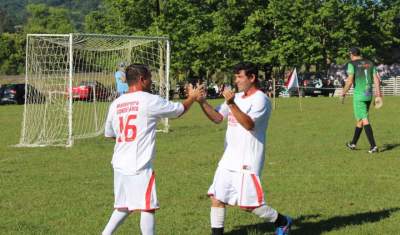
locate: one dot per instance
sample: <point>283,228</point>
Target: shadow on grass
<point>301,226</point>
<point>388,147</point>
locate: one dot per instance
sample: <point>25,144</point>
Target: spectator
<point>120,80</point>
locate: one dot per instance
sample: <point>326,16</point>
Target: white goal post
<point>69,81</point>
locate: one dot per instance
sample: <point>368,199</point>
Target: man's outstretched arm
<point>210,112</point>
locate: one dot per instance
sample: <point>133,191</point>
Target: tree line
<point>208,36</point>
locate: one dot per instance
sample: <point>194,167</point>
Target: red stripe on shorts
<point>258,188</point>
<point>149,189</point>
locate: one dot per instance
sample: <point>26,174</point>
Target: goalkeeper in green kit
<point>362,74</point>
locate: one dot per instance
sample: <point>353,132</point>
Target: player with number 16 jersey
<point>132,121</point>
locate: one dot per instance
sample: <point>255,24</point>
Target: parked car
<point>311,88</point>
<point>328,89</point>
<point>211,93</point>
<point>15,94</point>
<point>314,88</point>
<point>92,90</point>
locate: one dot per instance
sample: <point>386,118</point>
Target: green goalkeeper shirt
<point>363,71</point>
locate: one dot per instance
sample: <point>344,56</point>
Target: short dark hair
<point>355,51</point>
<point>134,71</point>
<point>248,67</point>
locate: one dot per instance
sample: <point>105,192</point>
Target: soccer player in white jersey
<point>131,121</point>
<point>237,178</point>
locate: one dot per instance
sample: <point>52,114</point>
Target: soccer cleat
<point>284,230</point>
<point>374,150</point>
<point>217,231</point>
<point>350,146</point>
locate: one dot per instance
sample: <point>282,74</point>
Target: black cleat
<point>374,150</point>
<point>350,146</point>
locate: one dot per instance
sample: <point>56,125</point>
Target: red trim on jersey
<point>148,191</point>
<point>119,208</point>
<point>260,193</point>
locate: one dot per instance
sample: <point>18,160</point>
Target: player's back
<point>132,121</point>
<point>363,71</point>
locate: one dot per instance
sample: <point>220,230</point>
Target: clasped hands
<point>199,93</point>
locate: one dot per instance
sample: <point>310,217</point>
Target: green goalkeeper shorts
<point>361,109</point>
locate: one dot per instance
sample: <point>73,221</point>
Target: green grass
<point>308,174</point>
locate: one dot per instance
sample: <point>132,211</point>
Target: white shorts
<point>135,192</point>
<point>237,188</point>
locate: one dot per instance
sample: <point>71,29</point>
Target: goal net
<point>70,82</point>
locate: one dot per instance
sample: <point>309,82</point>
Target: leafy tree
<point>312,32</point>
<point>388,22</point>
<point>207,33</point>
<point>222,46</point>
<point>212,35</point>
<point>12,54</point>
<point>77,10</point>
<point>185,32</point>
<point>123,17</point>
<point>16,9</point>
<point>45,19</point>
<point>182,22</point>
<point>6,25</point>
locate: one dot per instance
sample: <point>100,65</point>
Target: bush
<point>12,54</point>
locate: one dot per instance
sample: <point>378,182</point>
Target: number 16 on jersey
<point>127,130</point>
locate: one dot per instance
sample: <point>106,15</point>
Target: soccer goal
<point>73,79</point>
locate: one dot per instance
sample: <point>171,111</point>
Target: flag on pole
<point>292,81</point>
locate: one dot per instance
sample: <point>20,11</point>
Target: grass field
<point>308,174</point>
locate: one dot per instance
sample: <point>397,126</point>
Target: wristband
<point>230,102</point>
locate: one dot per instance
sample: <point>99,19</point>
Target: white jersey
<point>132,120</point>
<point>245,150</point>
